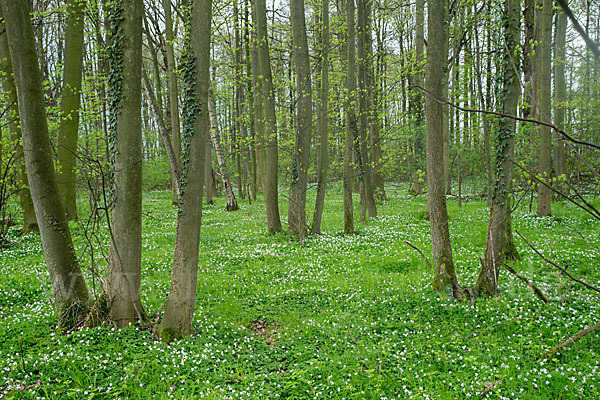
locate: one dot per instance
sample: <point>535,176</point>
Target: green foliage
<point>349,317</point>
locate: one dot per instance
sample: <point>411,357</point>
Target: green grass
<point>342,317</point>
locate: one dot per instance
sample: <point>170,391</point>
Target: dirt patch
<point>265,330</point>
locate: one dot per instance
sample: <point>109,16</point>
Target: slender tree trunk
<point>417,98</point>
<point>258,118</point>
<point>67,281</point>
<point>242,144</point>
<point>210,184</point>
<point>499,243</point>
<point>164,135</point>
<point>179,312</point>
<point>14,127</point>
<point>270,121</point>
<point>444,280</point>
<point>560,94</point>
<point>173,90</point>
<point>484,104</point>
<point>69,107</point>
<point>376,95</point>
<point>125,142</point>
<point>300,157</point>
<point>215,134</point>
<point>251,113</point>
<point>545,106</point>
<point>351,123</point>
<point>323,159</point>
<point>364,63</point>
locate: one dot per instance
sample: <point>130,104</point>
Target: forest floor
<point>341,317</point>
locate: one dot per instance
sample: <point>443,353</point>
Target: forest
<point>303,199</point>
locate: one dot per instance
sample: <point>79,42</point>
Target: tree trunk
<point>364,68</point>
<point>300,157</point>
<point>417,98</point>
<point>376,97</point>
<point>173,91</point>
<point>499,242</point>
<point>179,312</point>
<point>444,280</point>
<point>560,94</point>
<point>258,116</point>
<point>323,159</point>
<point>544,102</point>
<point>69,107</point>
<point>270,121</point>
<point>68,285</point>
<point>164,135</point>
<point>351,125</point>
<point>125,142</point>
<point>10,96</point>
<point>215,134</point>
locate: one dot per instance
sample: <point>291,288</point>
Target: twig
<point>420,252</point>
<point>150,216</point>
<point>570,340</point>
<point>591,210</point>
<point>533,287</point>
<point>516,118</point>
<point>564,271</point>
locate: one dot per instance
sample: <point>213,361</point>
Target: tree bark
<point>560,94</point>
<point>300,157</point>
<point>179,311</point>
<point>417,99</point>
<point>364,62</point>
<point>68,285</point>
<point>14,127</point>
<point>351,123</point>
<point>173,91</point>
<point>544,103</point>
<point>69,107</point>
<point>444,280</point>
<point>323,159</point>
<point>271,191</point>
<point>125,142</point>
<point>215,135</point>
<point>499,242</point>
<point>270,121</point>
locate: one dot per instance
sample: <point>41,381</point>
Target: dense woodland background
<point>307,118</point>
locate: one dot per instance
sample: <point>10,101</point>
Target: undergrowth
<point>342,317</point>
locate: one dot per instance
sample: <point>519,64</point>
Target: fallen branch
<point>535,289</point>
<point>489,386</point>
<point>570,340</point>
<point>561,269</point>
<point>420,252</point>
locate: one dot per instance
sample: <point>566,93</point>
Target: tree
<point>215,135</point>
<point>270,120</point>
<point>323,121</point>
<point>300,157</point>
<point>351,125</point>
<point>179,312</point>
<point>444,280</point>
<point>125,151</point>
<point>364,62</point>
<point>173,89</point>
<point>69,106</point>
<point>543,85</point>
<point>560,93</point>
<point>68,285</point>
<point>499,243</point>
<point>10,97</point>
